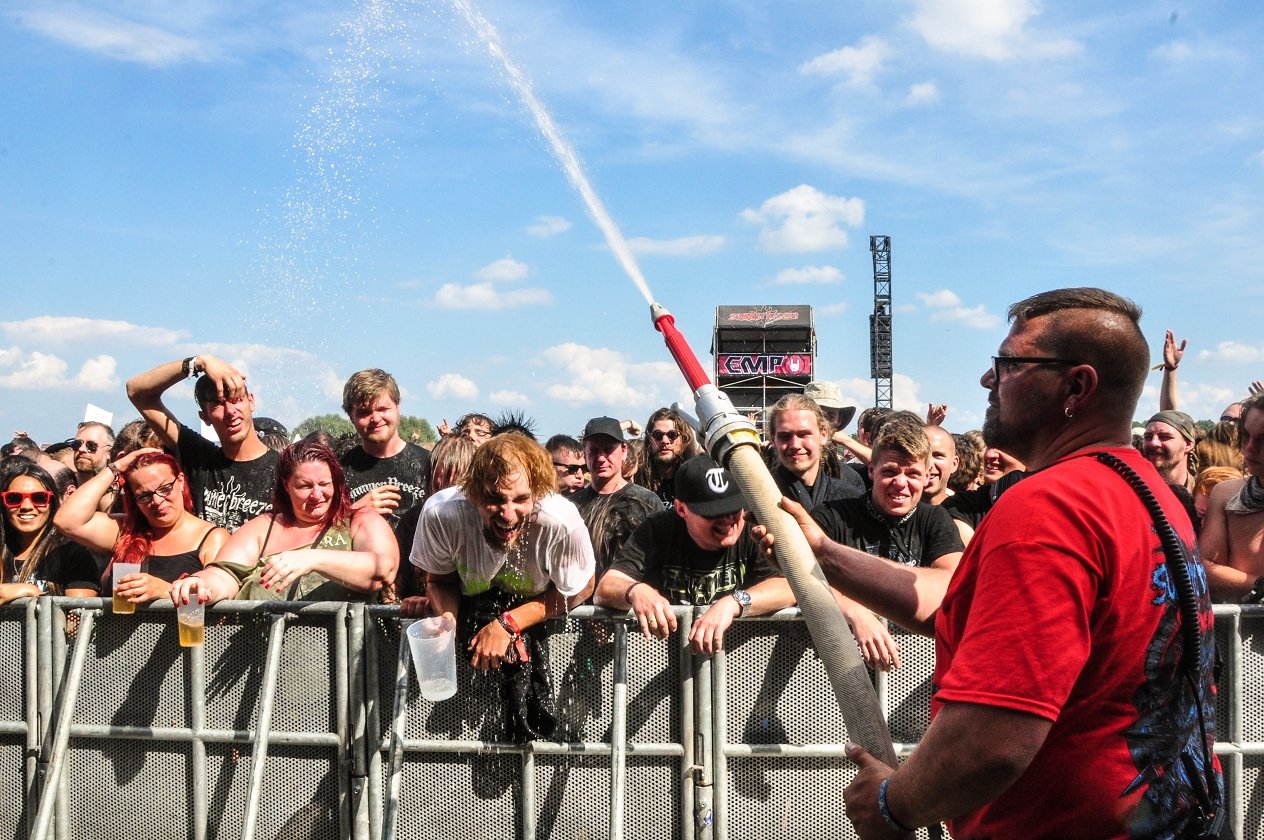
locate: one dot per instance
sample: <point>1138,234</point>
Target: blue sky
<point>309,188</point>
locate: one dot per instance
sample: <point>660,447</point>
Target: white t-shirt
<point>558,550</point>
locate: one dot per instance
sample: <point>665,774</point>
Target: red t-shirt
<point>1062,608</point>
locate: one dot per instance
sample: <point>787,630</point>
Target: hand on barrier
<point>878,648</point>
<point>861,797</point>
<point>706,637</point>
<point>384,499</point>
<point>414,606</point>
<point>489,647</point>
<point>189,590</point>
<point>653,612</point>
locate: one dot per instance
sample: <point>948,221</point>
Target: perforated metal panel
<point>299,798</point>
<point>800,798</point>
<point>12,747</point>
<point>129,789</point>
<point>1253,678</point>
<point>472,797</point>
<point>1253,789</point>
<point>135,672</point>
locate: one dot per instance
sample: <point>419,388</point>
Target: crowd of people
<point>1021,557</point>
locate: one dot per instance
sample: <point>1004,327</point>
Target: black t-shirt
<point>969,506</point>
<point>661,553</point>
<point>225,493</point>
<point>67,566</point>
<point>826,489</point>
<point>612,518</point>
<point>925,536</point>
<point>407,470</point>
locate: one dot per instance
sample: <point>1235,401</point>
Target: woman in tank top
<point>156,529</point>
<point>310,547</point>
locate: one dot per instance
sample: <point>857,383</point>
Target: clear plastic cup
<point>432,642</point>
<point>191,621</point>
<point>121,570</point>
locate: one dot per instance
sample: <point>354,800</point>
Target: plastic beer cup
<point>191,621</point>
<point>432,642</point>
<point>121,570</point>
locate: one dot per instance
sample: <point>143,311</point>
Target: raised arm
<point>145,390</point>
<point>79,518</point>
<point>1172,355</point>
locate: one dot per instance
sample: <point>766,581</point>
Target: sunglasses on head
<point>570,469</point>
<point>670,436</point>
<point>39,498</point>
<point>91,445</point>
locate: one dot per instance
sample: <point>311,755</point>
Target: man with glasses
<point>669,441</point>
<point>567,455</point>
<point>1062,706</point>
<point>699,553</point>
<point>91,445</point>
<point>231,483</point>
<point>611,505</point>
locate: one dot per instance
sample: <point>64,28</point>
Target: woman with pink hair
<point>310,547</point>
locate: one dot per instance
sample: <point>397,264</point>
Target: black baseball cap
<point>707,488</point>
<point>607,426</point>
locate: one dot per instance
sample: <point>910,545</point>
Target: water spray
<point>733,441</point>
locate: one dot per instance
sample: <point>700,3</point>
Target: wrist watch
<point>743,599</point>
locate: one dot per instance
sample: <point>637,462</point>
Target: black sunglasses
<point>39,498</point>
<point>671,436</point>
<point>997,361</point>
<point>570,469</point>
<point>91,445</point>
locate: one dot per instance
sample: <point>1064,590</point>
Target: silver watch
<point>743,599</point>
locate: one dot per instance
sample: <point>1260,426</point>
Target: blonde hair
<point>502,456</point>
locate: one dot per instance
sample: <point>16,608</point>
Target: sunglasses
<point>91,445</point>
<point>39,498</point>
<point>162,491</point>
<point>671,436</point>
<point>570,469</point>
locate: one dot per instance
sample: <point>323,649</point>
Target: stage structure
<point>763,353</point>
<point>880,364</point>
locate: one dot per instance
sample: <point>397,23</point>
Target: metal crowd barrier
<point>303,721</point>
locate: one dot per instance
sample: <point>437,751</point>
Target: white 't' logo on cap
<point>716,480</point>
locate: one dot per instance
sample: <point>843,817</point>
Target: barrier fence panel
<point>289,724</point>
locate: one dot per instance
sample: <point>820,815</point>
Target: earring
<point>1067,411</point>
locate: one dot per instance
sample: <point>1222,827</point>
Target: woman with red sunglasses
<point>157,528</point>
<point>38,560</point>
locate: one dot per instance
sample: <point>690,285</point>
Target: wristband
<point>517,651</point>
<point>886,811</point>
<point>1256,595</point>
<point>627,593</point>
<point>110,466</point>
<point>506,620</point>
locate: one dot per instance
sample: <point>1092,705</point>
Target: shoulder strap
<point>1212,817</point>
<point>263,549</point>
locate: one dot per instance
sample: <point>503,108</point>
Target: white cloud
<point>546,227</point>
<point>486,296</point>
<point>945,305</point>
<point>922,93</point>
<point>1232,351</point>
<point>452,386</point>
<point>113,37</point>
<point>36,371</point>
<point>504,270</point>
<point>52,329</point>
<point>832,310</point>
<point>808,274</point>
<point>857,64</point>
<point>805,219</point>
<point>905,393</point>
<point>509,398</point>
<point>596,375</point>
<point>991,29</point>
<point>685,246</point>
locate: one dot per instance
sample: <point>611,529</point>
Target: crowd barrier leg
<point>719,738</point>
<point>54,759</point>
<point>373,725</point>
<point>358,760</point>
<point>689,767</point>
<point>399,724</point>
<point>31,677</point>
<point>527,821</point>
<point>267,698</point>
<point>704,708</point>
<point>342,713</point>
<point>619,731</point>
<point>196,685</point>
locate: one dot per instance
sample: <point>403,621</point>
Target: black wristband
<point>1256,595</point>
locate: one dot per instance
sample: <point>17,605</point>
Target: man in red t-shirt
<point>1058,707</point>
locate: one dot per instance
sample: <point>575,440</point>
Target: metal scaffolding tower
<point>880,321</point>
